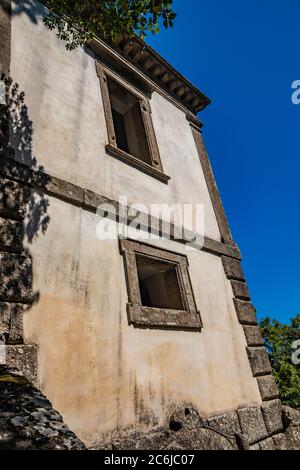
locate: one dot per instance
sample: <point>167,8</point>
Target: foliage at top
<point>78,21</point>
<point>284,354</point>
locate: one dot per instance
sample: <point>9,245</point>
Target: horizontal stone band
<point>90,201</point>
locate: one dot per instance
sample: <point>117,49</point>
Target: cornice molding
<point>140,63</point>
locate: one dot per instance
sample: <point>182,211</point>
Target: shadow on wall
<point>32,8</point>
<point>20,139</point>
<point>23,207</point>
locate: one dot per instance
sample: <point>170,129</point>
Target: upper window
<point>129,125</point>
<point>128,122</point>
<point>159,288</point>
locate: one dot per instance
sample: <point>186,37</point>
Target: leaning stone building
<point>137,343</point>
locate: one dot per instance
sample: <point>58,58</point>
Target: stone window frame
<point>151,317</point>
<point>155,169</point>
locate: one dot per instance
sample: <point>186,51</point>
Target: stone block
<point>11,235</point>
<point>23,357</point>
<point>64,190</point>
<point>245,311</point>
<point>272,413</point>
<point>233,268</point>
<point>240,290</point>
<point>15,278</point>
<point>13,199</point>
<point>92,201</point>
<point>259,361</point>
<point>253,335</point>
<point>267,387</point>
<point>267,444</point>
<point>11,322</point>
<point>280,442</point>
<point>254,447</point>
<point>252,424</point>
<point>290,415</point>
<point>293,437</point>
<point>4,121</point>
<point>205,439</point>
<point>227,423</point>
<point>4,322</point>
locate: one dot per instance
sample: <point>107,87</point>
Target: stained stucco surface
<point>103,374</point>
<point>99,372</point>
<point>64,102</point>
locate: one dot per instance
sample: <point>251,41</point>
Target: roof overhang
<point>146,60</point>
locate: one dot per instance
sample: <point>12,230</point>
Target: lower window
<point>159,288</point>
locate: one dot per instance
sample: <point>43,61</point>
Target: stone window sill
<point>136,163</point>
<point>151,317</point>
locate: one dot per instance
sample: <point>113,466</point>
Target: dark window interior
<point>158,282</point>
<point>120,130</point>
<point>128,122</point>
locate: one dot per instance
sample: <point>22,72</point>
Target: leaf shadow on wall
<point>21,140</point>
<point>25,201</point>
<point>32,8</point>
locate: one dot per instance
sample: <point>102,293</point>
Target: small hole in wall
<point>187,412</point>
<point>175,426</point>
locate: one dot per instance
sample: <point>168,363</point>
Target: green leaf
<point>77,21</point>
<point>278,339</point>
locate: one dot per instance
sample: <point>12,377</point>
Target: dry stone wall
<point>27,419</point>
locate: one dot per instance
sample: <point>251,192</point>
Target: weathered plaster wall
<point>103,374</point>
<point>100,373</point>
<point>64,102</point>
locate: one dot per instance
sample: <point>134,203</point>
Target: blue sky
<point>244,56</point>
